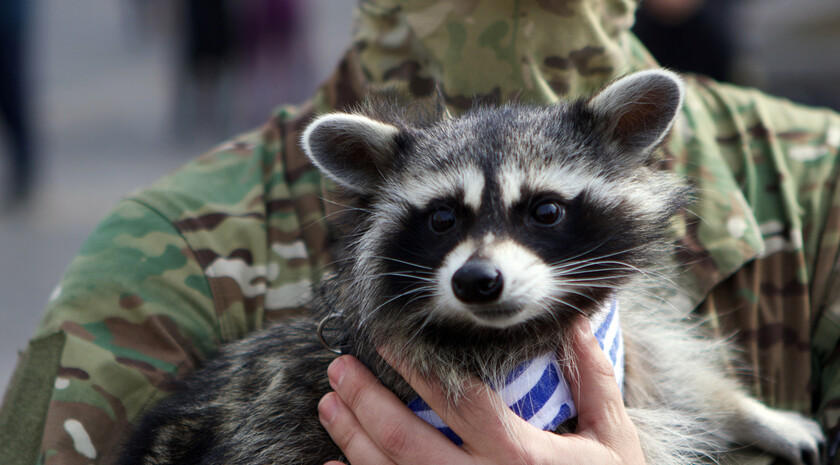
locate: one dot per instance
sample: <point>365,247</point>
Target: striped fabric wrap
<point>536,389</point>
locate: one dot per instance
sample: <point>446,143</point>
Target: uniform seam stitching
<point>217,296</point>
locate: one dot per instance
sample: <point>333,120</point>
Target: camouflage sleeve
<point>826,344</point>
<point>133,310</point>
<point>764,256</point>
<point>206,255</point>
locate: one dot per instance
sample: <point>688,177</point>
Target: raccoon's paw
<point>789,435</point>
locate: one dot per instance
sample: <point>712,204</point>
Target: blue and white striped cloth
<point>536,390</point>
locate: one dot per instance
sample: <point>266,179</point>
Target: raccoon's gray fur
<point>472,244</point>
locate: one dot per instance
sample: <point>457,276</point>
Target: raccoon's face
<point>506,218</point>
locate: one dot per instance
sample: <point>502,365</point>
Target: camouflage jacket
<point>236,237</point>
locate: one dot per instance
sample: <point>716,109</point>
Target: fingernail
<point>336,372</point>
<point>327,408</point>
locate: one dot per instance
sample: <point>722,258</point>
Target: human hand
<point>372,426</point>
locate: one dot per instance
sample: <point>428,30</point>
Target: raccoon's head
<point>498,227</point>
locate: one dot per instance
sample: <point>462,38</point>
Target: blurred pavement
<point>103,99</point>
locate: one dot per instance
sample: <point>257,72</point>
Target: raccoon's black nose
<point>477,282</point>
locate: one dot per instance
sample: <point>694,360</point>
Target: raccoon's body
<point>473,244</point>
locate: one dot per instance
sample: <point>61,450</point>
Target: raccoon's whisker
<point>599,245</point>
<point>419,296</point>
<point>391,259</point>
<point>346,207</point>
<point>427,318</point>
<point>329,215</point>
<point>594,269</point>
<point>579,265</point>
<point>573,292</point>
<point>581,278</point>
<point>573,279</point>
<point>622,266</point>
<point>569,262</point>
<point>420,275</point>
<point>595,279</point>
<point>418,272</point>
<point>407,293</point>
<point>644,272</point>
<point>548,310</point>
<point>587,286</point>
<point>366,316</point>
<point>657,297</point>
<point>567,304</point>
<point>586,268</point>
<point>344,210</point>
<point>602,281</point>
<point>337,261</point>
<point>589,250</point>
<point>635,290</point>
<point>351,235</point>
<point>404,275</point>
<point>695,214</point>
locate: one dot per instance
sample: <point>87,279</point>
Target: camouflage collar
<point>530,50</point>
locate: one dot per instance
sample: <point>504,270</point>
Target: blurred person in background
<point>273,58</point>
<point>234,240</point>
<point>237,60</point>
<point>207,55</point>
<point>14,101</point>
<point>689,35</point>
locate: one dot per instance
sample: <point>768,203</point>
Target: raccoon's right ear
<point>353,150</point>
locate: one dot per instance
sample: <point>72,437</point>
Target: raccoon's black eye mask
<point>543,211</point>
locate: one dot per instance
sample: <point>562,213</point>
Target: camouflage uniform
<point>235,238</point>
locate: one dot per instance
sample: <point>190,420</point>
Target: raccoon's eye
<point>547,213</point>
<point>442,220</point>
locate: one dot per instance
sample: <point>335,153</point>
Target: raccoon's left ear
<point>353,150</point>
<point>640,109</point>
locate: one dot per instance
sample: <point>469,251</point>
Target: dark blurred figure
<point>14,101</point>
<point>273,56</point>
<point>207,54</point>
<point>239,60</point>
<point>688,35</point>
<point>209,38</point>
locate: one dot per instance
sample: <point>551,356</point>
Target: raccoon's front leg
<point>688,410</point>
<point>786,434</point>
<point>678,436</point>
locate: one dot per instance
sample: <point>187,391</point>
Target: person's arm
<point>133,311</point>
<point>371,425</point>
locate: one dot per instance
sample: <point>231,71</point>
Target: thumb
<point>601,413</point>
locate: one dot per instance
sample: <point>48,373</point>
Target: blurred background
<point>101,97</point>
<point>106,96</point>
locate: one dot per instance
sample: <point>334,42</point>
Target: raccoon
<point>470,245</point>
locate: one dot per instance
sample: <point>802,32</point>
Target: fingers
<point>601,412</point>
<point>482,420</point>
<point>370,424</point>
<point>347,433</point>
